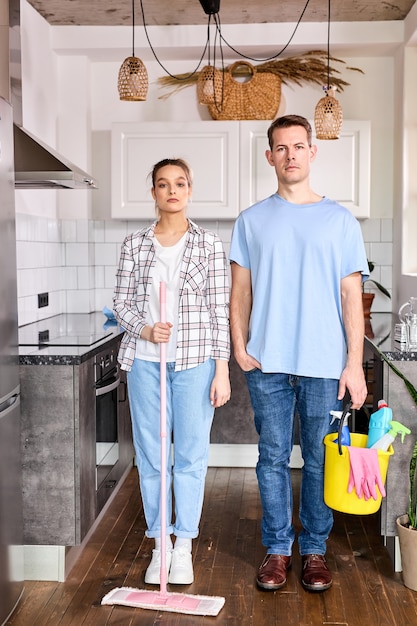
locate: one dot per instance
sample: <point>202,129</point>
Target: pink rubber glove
<point>357,471</point>
<point>373,473</point>
<point>365,474</point>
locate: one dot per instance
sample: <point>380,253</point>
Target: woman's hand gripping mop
<point>162,600</point>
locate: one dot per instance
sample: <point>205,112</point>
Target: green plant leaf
<point>382,289</point>
<point>379,286</point>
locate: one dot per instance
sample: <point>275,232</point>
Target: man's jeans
<point>276,398</point>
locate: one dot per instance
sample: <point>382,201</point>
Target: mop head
<point>173,602</point>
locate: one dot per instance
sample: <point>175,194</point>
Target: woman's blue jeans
<point>276,398</point>
<point>189,420</point>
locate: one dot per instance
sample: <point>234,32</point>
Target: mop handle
<point>163,394</point>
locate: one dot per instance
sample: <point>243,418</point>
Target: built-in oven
<point>107,383</point>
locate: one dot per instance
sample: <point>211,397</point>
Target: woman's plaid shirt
<point>203,315</point>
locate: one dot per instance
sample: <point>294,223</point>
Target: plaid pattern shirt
<point>203,315</point>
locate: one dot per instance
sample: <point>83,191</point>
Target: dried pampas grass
<point>310,67</point>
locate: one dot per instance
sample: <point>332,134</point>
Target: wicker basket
<point>256,99</point>
<point>328,117</point>
<point>210,85</point>
<point>133,80</point>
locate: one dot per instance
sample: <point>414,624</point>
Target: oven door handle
<point>100,391</point>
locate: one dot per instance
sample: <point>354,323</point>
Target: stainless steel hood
<point>37,166</point>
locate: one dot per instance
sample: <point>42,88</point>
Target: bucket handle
<point>341,421</point>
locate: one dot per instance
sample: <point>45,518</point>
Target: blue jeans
<point>276,398</point>
<point>189,420</point>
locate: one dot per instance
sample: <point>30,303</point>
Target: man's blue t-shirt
<point>297,255</point>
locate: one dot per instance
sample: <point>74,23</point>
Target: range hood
<point>37,166</point>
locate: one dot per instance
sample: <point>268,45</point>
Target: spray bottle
<point>379,423</point>
<point>386,440</point>
<point>345,436</point>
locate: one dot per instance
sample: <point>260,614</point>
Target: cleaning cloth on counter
<point>365,474</point>
<point>111,319</point>
<point>109,314</point>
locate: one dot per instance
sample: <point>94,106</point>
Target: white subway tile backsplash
<point>69,230</point>
<point>381,253</point>
<point>371,229</point>
<point>98,230</point>
<point>224,230</point>
<point>109,276</point>
<point>82,231</point>
<point>53,231</point>
<point>53,255</point>
<point>70,277</point>
<point>78,301</point>
<point>386,230</point>
<point>83,278</point>
<point>22,226</point>
<point>76,254</point>
<point>106,254</point>
<point>99,272</point>
<point>103,297</point>
<point>115,231</point>
<point>76,260</point>
<point>30,254</point>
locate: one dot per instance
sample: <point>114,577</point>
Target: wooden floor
<point>365,591</point>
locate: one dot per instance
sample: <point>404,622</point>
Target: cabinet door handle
<point>124,386</point>
<point>100,391</point>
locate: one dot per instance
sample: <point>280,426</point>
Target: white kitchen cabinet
<point>341,170</point>
<point>229,166</point>
<point>210,148</point>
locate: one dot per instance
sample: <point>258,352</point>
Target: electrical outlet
<point>43,336</point>
<point>43,299</point>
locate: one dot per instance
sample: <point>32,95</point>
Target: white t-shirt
<point>167,269</point>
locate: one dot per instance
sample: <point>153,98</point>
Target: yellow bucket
<point>336,477</point>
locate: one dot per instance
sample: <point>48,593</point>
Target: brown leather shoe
<point>316,575</point>
<point>272,574</point>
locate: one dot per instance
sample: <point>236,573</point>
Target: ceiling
<point>173,12</point>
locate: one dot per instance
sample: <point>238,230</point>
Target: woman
<point>192,263</point>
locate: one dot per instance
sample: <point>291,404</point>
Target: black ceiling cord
<point>211,8</point>
<point>275,56</point>
<point>154,53</point>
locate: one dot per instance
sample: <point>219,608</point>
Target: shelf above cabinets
<point>230,171</point>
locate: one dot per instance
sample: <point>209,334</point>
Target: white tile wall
<point>76,260</point>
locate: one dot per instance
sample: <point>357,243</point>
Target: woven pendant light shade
<point>210,85</point>
<point>328,117</point>
<point>133,80</point>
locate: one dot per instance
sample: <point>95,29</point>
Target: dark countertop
<point>380,331</point>
<point>66,339</point>
<point>75,337</point>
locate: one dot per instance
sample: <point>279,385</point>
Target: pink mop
<point>162,600</point>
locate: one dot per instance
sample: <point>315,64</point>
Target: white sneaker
<point>181,572</point>
<point>153,573</point>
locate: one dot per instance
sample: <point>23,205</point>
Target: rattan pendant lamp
<point>328,115</point>
<point>133,77</point>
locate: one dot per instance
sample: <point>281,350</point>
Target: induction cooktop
<point>66,330</point>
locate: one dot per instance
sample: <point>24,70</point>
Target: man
<point>297,324</point>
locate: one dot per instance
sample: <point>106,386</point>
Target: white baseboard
<point>244,455</point>
<point>44,562</point>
